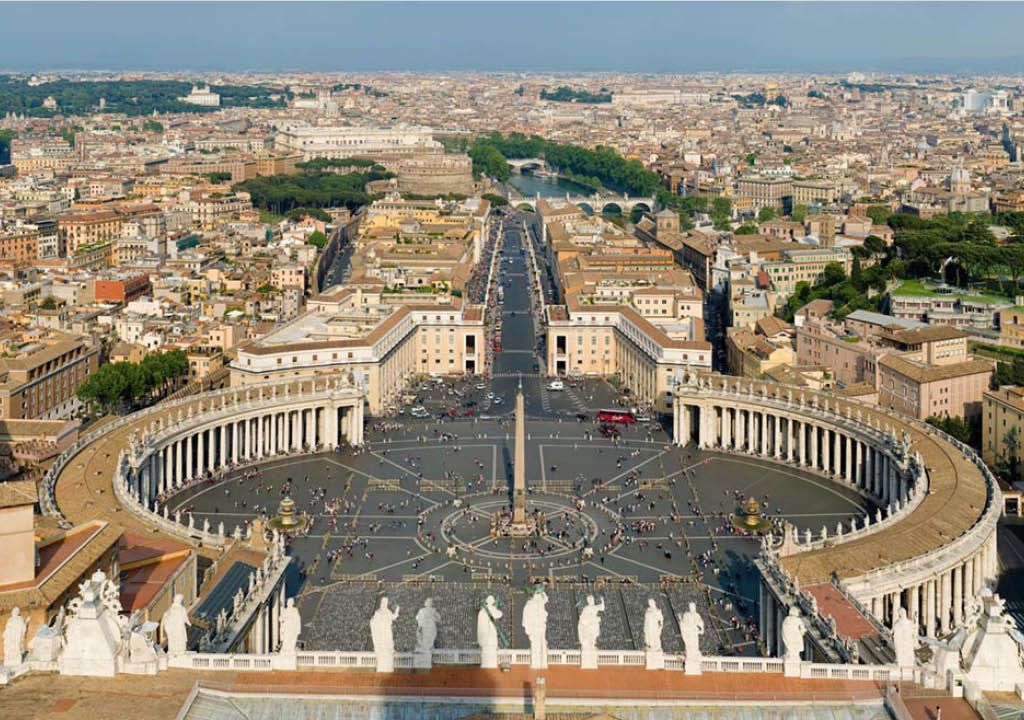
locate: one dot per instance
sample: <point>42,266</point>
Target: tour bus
<point>501,294</point>
<point>623,417</point>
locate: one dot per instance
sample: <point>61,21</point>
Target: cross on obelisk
<point>519,462</point>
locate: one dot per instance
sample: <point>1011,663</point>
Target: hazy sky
<point>629,37</point>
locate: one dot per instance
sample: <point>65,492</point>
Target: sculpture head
<point>291,602</point>
<point>692,607</point>
<point>15,611</point>
<point>179,599</point>
<point>651,604</point>
<point>902,614</point>
<point>383,603</point>
<point>428,603</point>
<point>489,601</point>
<point>794,611</point>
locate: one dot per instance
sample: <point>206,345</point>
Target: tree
<point>48,303</point>
<point>874,245</point>
<point>495,200</point>
<point>152,126</point>
<point>1007,465</point>
<point>721,213</point>
<point>317,239</point>
<point>124,385</point>
<point>879,214</point>
<point>766,213</point>
<point>746,228</point>
<point>799,213</point>
<point>954,426</point>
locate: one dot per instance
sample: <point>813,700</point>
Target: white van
<point>556,385</point>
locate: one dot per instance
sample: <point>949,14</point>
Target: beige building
<point>762,192</point>
<point>80,230</point>
<point>1002,412</point>
<point>921,391</point>
<point>288,276</point>
<point>39,379</point>
<point>382,347</point>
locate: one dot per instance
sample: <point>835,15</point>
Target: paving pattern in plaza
<point>412,519</point>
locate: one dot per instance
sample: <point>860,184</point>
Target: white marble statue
<point>175,623</point>
<point>383,636</point>
<point>691,627</point>
<point>535,624</point>
<point>654,621</point>
<point>793,630</point>
<point>487,632</point>
<point>426,627</point>
<point>291,626</point>
<point>14,638</point>
<point>904,639</point>
<point>589,625</point>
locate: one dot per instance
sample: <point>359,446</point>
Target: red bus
<point>623,417</point>
<point>497,345</point>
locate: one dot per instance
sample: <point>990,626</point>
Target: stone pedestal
<point>94,641</point>
<point>286,661</point>
<point>655,660</point>
<point>588,659</point>
<point>791,668</point>
<point>691,666</point>
<point>45,647</point>
<point>422,660</point>
<point>489,658</point>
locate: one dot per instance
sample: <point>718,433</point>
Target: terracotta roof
<point>934,373</point>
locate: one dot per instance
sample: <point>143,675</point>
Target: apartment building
<point>921,391</point>
<point>759,192</point>
<point>39,377</point>
<point>79,230</point>
<point>19,245</point>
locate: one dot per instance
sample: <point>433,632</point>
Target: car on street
<point>556,385</point>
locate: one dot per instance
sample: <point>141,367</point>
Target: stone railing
<point>362,660</point>
<point>884,518</point>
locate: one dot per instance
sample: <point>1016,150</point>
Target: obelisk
<point>519,463</point>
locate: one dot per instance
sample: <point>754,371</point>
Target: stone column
<point>914,598</point>
<point>261,438</point>
<point>869,469</point>
<point>815,458</point>
<point>777,450</point>
<point>726,428</point>
<point>929,609</point>
<point>200,452</point>
<point>849,460</point>
<point>801,429</point>
<point>826,450</point>
<point>958,595</point>
<point>223,446</point>
<point>179,468</point>
<point>763,439</point>
<point>234,442</point>
<point>331,421</point>
<point>188,457</point>
<point>944,603</point>
<point>310,427</point>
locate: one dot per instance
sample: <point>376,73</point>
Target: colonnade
<point>938,585</point>
<point>221,437</point>
<point>841,450</point>
<point>942,601</point>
